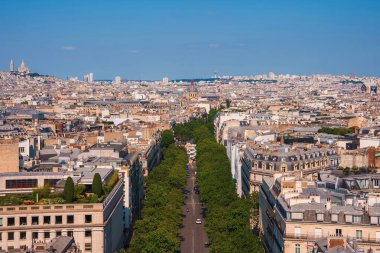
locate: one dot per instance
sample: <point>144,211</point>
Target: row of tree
<point>161,216</point>
<point>73,193</point>
<point>227,216</point>
<point>337,131</point>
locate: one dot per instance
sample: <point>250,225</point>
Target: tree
<point>157,230</point>
<point>69,191</point>
<point>167,138</point>
<point>94,198</point>
<point>97,186</point>
<point>42,192</point>
<point>228,103</point>
<point>112,182</point>
<point>228,217</point>
<point>79,190</point>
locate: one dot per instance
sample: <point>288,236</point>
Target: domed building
<point>23,69</point>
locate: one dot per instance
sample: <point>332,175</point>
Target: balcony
<point>313,237</point>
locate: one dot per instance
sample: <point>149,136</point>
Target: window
<point>58,233</point>
<point>357,219</point>
<point>338,232</point>
<point>46,235</point>
<point>70,233</point>
<point>297,231</point>
<point>359,234</point>
<point>35,220</point>
<point>35,235</point>
<point>11,236</point>
<point>1,237</point>
<point>21,149</point>
<point>318,232</point>
<point>320,217</point>
<point>58,219</point>
<point>23,221</point>
<point>334,217</point>
<point>88,218</point>
<point>1,222</point>
<point>46,219</point>
<point>348,218</point>
<point>70,219</point>
<point>88,233</point>
<point>21,183</point>
<point>297,216</point>
<point>50,182</point>
<point>88,247</point>
<point>297,248</point>
<point>11,221</point>
<point>22,235</point>
<point>374,220</point>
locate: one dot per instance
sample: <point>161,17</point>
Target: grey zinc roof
<point>317,207</point>
<point>347,210</point>
<point>61,244</point>
<point>374,211</point>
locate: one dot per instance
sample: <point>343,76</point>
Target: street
<point>193,235</point>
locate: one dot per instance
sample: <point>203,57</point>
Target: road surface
<point>193,235</point>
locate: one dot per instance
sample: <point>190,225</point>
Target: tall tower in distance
<point>11,66</point>
<point>91,77</point>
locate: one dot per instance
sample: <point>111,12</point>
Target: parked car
<point>198,221</point>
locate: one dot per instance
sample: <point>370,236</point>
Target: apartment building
<point>96,227</point>
<point>300,215</point>
<point>260,160</point>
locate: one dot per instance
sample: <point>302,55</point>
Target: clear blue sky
<point>141,39</point>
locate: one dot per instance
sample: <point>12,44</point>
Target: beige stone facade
<point>9,157</point>
<point>95,227</point>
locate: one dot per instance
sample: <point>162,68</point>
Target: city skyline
<point>149,40</point>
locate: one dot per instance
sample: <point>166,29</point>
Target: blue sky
<point>143,39</point>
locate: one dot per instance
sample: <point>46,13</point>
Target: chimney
<point>328,204</point>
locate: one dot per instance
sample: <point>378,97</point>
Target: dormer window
<point>357,219</point>
<point>297,216</point>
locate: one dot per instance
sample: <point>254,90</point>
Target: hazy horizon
<point>187,39</point>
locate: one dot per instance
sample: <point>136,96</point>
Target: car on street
<point>198,221</point>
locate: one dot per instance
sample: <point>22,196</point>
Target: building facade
<point>96,227</point>
<point>299,215</point>
<point>259,161</point>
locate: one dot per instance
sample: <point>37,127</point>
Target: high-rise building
<point>165,80</point>
<point>271,76</point>
<point>89,77</point>
<point>11,66</point>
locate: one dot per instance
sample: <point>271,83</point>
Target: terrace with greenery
<point>71,193</point>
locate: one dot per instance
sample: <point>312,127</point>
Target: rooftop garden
<point>337,131</point>
<point>71,193</point>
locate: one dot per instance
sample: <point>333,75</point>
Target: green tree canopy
<point>69,190</point>
<point>161,216</point>
<point>167,138</point>
<point>227,216</point>
<point>228,103</point>
<point>97,186</point>
<point>337,131</point>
